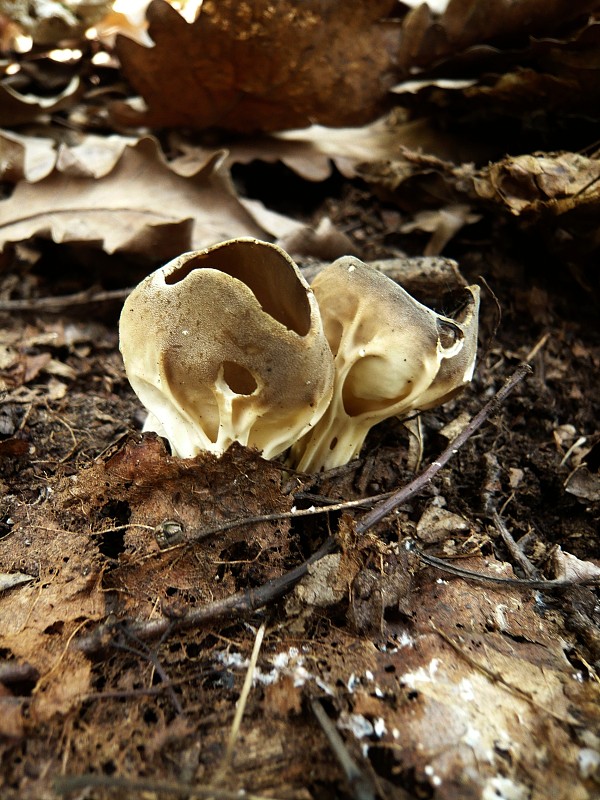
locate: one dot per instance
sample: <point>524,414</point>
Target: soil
<point>374,641</point>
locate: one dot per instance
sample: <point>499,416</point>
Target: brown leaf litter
<point>241,67</point>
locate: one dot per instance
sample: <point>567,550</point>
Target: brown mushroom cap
<point>226,344</point>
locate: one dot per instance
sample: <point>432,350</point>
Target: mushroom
<point>392,355</point>
<point>226,344</point>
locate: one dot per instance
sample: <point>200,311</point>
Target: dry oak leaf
<point>141,206</point>
<point>260,66</point>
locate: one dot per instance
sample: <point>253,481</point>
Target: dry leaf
<point>568,567</point>
<point>442,223</point>
<point>28,157</point>
<point>428,39</point>
<point>141,206</point>
<point>245,67</point>
<point>476,675</point>
<point>16,108</point>
<point>533,184</point>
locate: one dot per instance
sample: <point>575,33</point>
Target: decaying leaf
<point>541,183</point>
<point>585,484</point>
<point>195,494</point>
<point>481,675</point>
<point>248,67</point>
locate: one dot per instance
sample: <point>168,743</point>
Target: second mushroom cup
<point>231,344</point>
<point>392,355</point>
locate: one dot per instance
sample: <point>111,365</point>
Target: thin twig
<point>62,302</point>
<point>513,548</point>
<point>479,577</point>
<point>415,486</point>
<point>360,785</point>
<point>346,505</point>
<point>145,652</point>
<point>241,704</point>
<point>537,347</point>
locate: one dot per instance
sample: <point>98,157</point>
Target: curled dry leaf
<point>533,184</point>
<point>139,204</point>
<point>16,108</point>
<point>244,67</point>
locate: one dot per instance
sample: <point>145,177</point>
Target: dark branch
<point>415,486</point>
<point>231,607</point>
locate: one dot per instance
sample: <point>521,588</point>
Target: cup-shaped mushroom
<point>389,351</point>
<point>226,344</point>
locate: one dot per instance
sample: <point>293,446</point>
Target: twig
<point>360,785</point>
<point>76,783</point>
<point>416,485</point>
<point>479,577</point>
<point>62,302</point>
<point>537,347</point>
<point>152,658</point>
<point>346,505</point>
<point>513,548</point>
<point>241,704</point>
<point>234,606</point>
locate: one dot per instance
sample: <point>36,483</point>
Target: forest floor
<point>229,627</point>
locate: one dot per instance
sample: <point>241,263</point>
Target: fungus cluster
<point>231,344</point>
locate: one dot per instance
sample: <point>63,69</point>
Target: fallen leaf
<point>16,108</point>
<point>437,524</point>
<point>243,67</point>
<point>584,484</point>
<point>140,206</point>
<point>469,679</point>
<point>443,224</point>
<point>29,157</point>
<point>544,182</point>
<point>428,38</point>
<point>568,567</point>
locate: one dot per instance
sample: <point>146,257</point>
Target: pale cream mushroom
<point>392,355</point>
<point>226,344</point>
